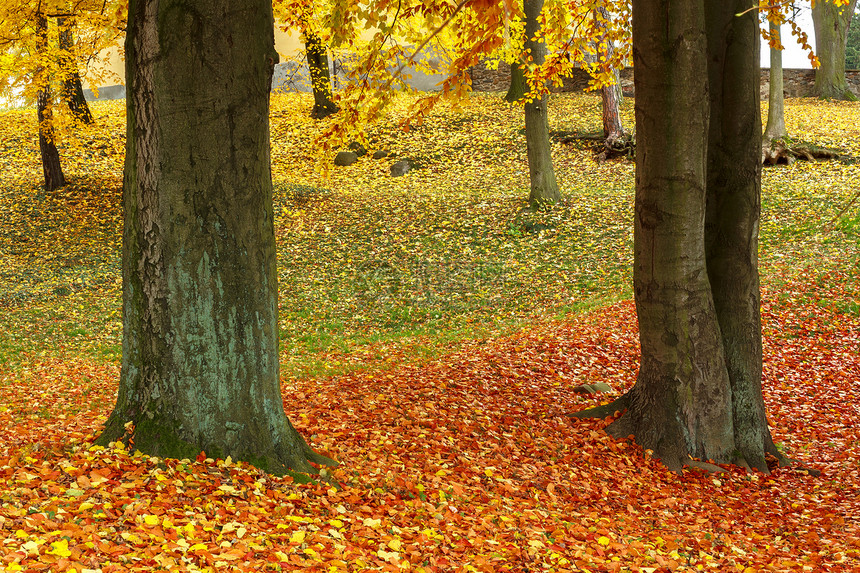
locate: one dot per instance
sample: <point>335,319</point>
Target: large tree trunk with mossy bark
<point>775,126</point>
<point>698,392</point>
<point>73,91</point>
<point>831,35</point>
<point>200,365</point>
<point>320,76</point>
<point>544,187</point>
<point>51,167</point>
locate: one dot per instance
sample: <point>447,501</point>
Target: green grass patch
<point>375,270</point>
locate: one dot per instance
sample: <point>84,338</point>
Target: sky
<point>793,56</point>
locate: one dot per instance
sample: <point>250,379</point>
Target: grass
<point>374,269</point>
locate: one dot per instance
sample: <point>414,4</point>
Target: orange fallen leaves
<point>486,474</point>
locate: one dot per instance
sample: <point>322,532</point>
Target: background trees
<point>41,61</point>
<point>544,187</point>
<point>831,20</point>
<point>200,367</point>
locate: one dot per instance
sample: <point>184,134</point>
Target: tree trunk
<point>200,331</point>
<point>544,187</point>
<point>73,91</point>
<point>51,167</point>
<point>320,77</point>
<point>732,216</point>
<point>610,95</point>
<point>681,402</point>
<point>776,99</point>
<point>518,87</point>
<point>698,393</point>
<point>831,34</point>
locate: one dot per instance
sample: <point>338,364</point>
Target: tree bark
<point>73,91</point>
<point>200,332</point>
<point>544,187</point>
<point>776,98</point>
<point>680,405</point>
<point>698,392</point>
<point>831,35</point>
<point>732,216</point>
<point>518,87</point>
<point>51,167</point>
<point>320,77</point>
<point>610,95</point>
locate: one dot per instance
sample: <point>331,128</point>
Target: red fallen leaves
<point>466,464</point>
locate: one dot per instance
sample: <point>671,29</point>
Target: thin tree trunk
<point>320,77</point>
<point>610,95</point>
<point>776,99</point>
<point>518,87</point>
<point>200,316</point>
<point>544,187</point>
<point>73,91</point>
<point>51,167</point>
<point>831,35</point>
<point>732,221</point>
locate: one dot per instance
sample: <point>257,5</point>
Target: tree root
<point>786,151</point>
<point>604,410</point>
<point>623,145</point>
<point>622,428</point>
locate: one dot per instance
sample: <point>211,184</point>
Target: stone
<point>381,153</point>
<point>595,388</point>
<point>357,148</point>
<point>400,168</point>
<point>344,158</point>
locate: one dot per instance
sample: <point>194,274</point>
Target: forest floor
<point>431,338</point>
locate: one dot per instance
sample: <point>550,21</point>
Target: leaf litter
<point>464,460</point>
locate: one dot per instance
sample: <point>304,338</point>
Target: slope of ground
<point>433,336</point>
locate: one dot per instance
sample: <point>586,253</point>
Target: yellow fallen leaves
<point>60,548</point>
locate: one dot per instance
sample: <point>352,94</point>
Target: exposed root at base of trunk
<point>784,150</point>
<point>668,450</point>
<point>604,410</point>
<point>622,145</point>
<point>323,111</point>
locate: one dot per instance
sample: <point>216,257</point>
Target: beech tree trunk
<point>73,91</point>
<point>831,35</point>
<point>732,218</point>
<point>200,365</point>
<point>544,187</point>
<point>51,167</point>
<point>698,393</point>
<point>320,77</point>
<point>776,98</point>
<point>518,87</point>
<point>610,95</point>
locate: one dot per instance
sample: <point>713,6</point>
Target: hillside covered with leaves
<point>432,336</point>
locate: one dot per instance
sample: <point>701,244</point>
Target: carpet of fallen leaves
<point>465,461</point>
